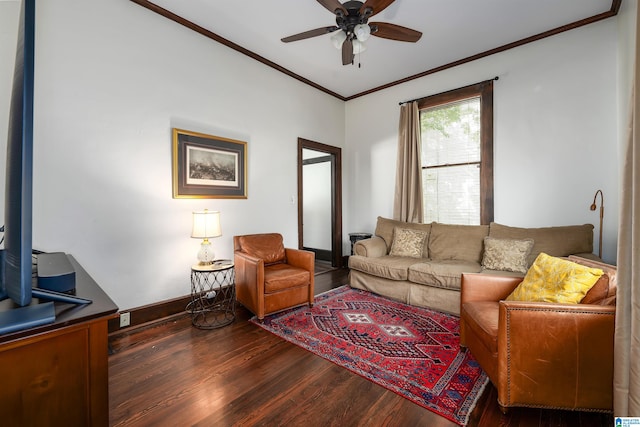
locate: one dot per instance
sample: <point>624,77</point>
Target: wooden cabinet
<point>57,374</point>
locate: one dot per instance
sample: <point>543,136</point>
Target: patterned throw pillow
<point>407,242</point>
<point>506,254</point>
<point>552,279</point>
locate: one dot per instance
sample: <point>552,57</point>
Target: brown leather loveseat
<point>539,354</point>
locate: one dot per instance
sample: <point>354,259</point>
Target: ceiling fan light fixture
<point>358,47</point>
<point>338,39</point>
<point>362,32</point>
<point>352,28</point>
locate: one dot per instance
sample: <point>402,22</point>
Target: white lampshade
<point>358,47</point>
<point>206,224</point>
<point>362,32</point>
<point>338,38</point>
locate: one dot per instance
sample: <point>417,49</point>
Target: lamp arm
<point>593,208</point>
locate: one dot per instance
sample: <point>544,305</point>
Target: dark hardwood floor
<point>170,373</point>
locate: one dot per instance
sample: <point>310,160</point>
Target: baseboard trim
<point>153,312</point>
<point>150,313</point>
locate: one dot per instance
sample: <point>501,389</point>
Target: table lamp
<point>206,224</point>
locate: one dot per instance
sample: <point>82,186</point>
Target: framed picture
<point>208,167</point>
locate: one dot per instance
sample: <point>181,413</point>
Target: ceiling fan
<point>352,19</point>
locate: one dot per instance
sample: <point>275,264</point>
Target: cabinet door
<point>45,380</point>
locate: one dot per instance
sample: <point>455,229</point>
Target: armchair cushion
<point>482,322</point>
<point>557,280</point>
<point>268,247</point>
<point>284,276</point>
<point>604,291</point>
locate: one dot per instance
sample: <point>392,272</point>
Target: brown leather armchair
<point>270,277</point>
<point>537,354</point>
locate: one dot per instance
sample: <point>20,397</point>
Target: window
<point>457,155</point>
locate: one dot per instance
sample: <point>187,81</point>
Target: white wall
<point>112,79</point>
<point>555,118</point>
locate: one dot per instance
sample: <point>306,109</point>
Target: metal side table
<point>212,295</point>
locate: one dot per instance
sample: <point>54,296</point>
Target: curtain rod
<point>417,99</point>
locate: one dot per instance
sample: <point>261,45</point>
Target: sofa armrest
<point>573,348</point>
<point>486,287</point>
<point>373,247</point>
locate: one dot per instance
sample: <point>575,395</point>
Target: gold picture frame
<point>208,167</point>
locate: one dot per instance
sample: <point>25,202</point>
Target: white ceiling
<point>452,30</point>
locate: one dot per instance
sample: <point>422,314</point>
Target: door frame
<point>336,196</point>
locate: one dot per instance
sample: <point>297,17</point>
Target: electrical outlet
<point>125,319</point>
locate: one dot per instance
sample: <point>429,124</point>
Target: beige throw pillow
<point>506,254</point>
<point>407,242</point>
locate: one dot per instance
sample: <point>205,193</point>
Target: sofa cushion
<point>554,241</point>
<point>408,242</point>
<point>552,279</point>
<point>442,274</point>
<point>457,242</point>
<point>385,228</point>
<point>506,254</point>
<point>388,267</point>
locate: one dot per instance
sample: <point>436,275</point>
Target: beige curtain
<point>407,203</point>
<point>626,384</point>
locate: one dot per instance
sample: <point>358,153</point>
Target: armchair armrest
<point>486,287</point>
<point>249,278</point>
<point>373,247</point>
<point>301,258</point>
<point>573,348</point>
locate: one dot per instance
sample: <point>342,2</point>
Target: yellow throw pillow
<point>552,279</point>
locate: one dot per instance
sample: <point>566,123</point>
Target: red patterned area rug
<point>412,351</point>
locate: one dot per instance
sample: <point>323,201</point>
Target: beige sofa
<point>421,264</point>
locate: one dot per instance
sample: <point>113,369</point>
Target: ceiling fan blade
<point>347,52</point>
<point>333,5</point>
<point>395,32</point>
<point>376,5</point>
<point>309,34</point>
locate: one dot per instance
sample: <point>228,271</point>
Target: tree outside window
<point>457,156</point>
